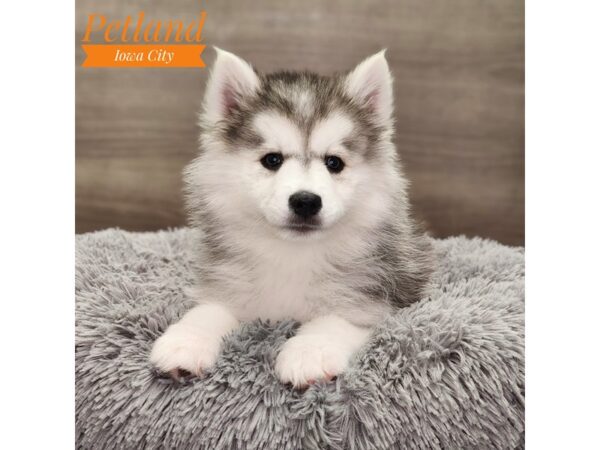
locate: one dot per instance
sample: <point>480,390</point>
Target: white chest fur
<point>276,279</point>
<point>284,284</point>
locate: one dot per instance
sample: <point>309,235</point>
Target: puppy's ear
<point>231,79</point>
<point>370,85</point>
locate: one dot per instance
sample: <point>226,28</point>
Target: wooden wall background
<point>459,89</point>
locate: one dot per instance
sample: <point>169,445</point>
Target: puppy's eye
<point>334,164</point>
<point>272,161</point>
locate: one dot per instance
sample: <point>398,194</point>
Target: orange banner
<point>143,55</point>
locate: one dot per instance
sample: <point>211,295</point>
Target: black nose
<point>305,204</point>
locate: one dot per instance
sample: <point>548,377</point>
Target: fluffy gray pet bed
<point>447,372</point>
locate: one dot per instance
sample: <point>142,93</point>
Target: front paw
<point>185,348</point>
<point>304,359</point>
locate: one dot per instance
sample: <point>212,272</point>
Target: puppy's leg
<point>194,342</point>
<point>321,349</point>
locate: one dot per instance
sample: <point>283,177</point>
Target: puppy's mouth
<point>303,226</point>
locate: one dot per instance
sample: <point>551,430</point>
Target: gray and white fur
<point>303,213</point>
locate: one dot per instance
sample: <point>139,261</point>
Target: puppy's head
<point>296,153</point>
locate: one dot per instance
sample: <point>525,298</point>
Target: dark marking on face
<point>280,92</point>
<point>355,143</point>
<point>243,134</point>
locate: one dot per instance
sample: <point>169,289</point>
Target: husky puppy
<point>302,209</point>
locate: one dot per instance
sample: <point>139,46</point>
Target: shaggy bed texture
<point>447,372</point>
